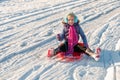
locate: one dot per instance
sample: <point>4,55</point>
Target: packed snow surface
<point>28,29</point>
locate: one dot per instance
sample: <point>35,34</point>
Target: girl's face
<point>70,20</point>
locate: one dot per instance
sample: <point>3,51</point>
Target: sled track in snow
<point>29,36</point>
<point>17,22</point>
<point>37,13</point>
<point>108,57</point>
<point>31,21</point>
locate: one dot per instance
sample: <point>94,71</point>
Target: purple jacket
<point>64,34</point>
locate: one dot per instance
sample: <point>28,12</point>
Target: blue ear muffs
<point>65,20</point>
<point>75,19</point>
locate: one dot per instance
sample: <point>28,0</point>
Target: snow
<point>28,29</point>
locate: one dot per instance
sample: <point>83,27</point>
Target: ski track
<point>25,38</point>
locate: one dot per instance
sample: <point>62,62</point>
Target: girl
<point>70,34</point>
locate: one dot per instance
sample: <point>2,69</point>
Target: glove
<point>58,37</point>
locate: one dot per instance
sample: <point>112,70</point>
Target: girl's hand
<point>58,37</point>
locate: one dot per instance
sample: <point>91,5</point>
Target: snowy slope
<point>28,29</point>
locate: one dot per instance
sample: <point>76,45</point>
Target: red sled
<point>61,55</point>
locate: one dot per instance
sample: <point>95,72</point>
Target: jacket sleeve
<point>62,35</point>
<point>83,36</point>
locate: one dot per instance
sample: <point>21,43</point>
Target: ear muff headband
<point>75,19</point>
<point>65,20</point>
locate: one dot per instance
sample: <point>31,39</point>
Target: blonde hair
<point>71,14</point>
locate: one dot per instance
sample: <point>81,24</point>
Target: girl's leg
<point>62,48</point>
<point>80,49</point>
<point>88,51</point>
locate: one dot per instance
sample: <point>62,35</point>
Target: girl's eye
<point>70,19</point>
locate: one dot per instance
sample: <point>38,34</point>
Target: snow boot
<point>95,56</point>
<point>51,52</point>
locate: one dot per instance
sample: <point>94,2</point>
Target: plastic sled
<point>75,56</point>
